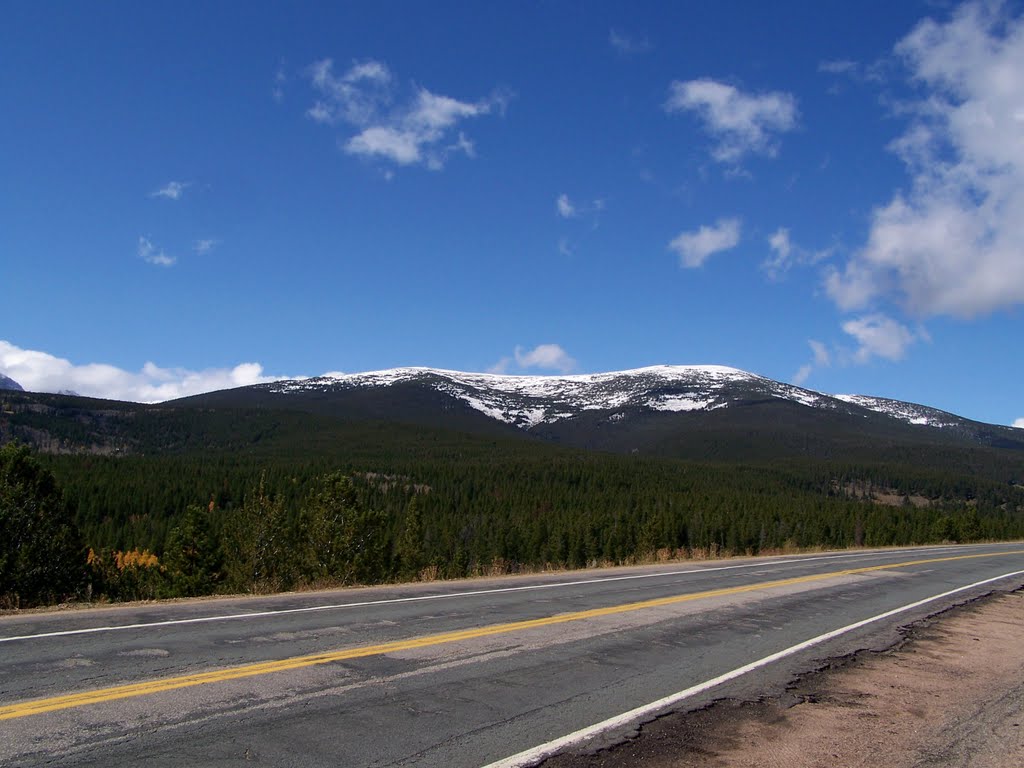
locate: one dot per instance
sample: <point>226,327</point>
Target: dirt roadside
<point>951,694</point>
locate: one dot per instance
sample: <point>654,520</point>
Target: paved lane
<point>377,677</point>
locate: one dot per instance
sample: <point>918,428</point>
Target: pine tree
<point>409,548</point>
<point>260,556</point>
<point>41,555</point>
<point>193,556</point>
<point>341,539</point>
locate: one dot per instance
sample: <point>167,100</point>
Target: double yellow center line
<point>68,701</point>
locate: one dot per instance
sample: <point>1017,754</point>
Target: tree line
<point>149,527</point>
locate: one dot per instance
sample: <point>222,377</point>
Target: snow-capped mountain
<point>528,401</point>
<point>703,412</point>
<point>691,410</point>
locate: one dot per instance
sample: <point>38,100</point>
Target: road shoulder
<point>951,693</point>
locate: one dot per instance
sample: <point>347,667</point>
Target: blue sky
<point>203,195</point>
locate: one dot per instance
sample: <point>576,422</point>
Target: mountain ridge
<point>6,382</point>
<point>618,410</point>
<point>563,387</point>
<point>701,413</point>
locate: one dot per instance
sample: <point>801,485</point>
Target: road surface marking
<point>796,560</point>
<point>531,757</point>
<point>68,701</point>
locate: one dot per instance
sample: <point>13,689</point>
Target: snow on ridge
<point>528,400</point>
<point>911,413</point>
<point>806,397</point>
<point>520,384</point>
<point>404,373</point>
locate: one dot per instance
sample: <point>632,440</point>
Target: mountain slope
<point>703,413</point>
<point>527,401</point>
<point>11,384</point>
<point>690,411</point>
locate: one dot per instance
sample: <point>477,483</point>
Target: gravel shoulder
<point>950,694</point>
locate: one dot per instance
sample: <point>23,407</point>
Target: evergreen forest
<point>180,502</point>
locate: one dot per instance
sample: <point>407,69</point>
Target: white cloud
<point>462,144</point>
<point>740,123</point>
<point>879,336</point>
<point>355,97</point>
<point>876,71</point>
<point>951,243</point>
<point>1019,423</point>
<point>694,248</point>
<point>42,372</point>
<point>802,374</point>
<point>780,244</point>
<point>501,367</point>
<point>153,255</point>
<point>838,67</point>
<point>172,190</point>
<point>822,359</point>
<point>546,357</point>
<point>565,207</point>
<point>415,133</point>
<point>627,45</point>
<point>280,78</point>
<point>205,245</point>
<point>401,147</point>
<point>320,113</point>
<point>787,254</point>
<point>565,247</point>
<point>368,71</point>
<point>568,209</point>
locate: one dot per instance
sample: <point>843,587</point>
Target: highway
<point>483,672</point>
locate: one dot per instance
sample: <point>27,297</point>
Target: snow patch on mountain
<point>911,413</point>
<point>678,404</point>
<point>527,401</point>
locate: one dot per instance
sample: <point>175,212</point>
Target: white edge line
<point>794,560</point>
<point>532,757</point>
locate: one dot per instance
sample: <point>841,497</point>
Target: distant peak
<point>662,370</point>
<point>9,383</point>
<point>609,398</point>
<point>528,400</point>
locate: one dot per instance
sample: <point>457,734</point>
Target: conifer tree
<point>260,552</point>
<point>342,540</point>
<point>41,556</point>
<point>193,556</point>
<point>409,548</point>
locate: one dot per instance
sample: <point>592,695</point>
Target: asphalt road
<point>450,674</point>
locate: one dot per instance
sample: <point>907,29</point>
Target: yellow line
<point>68,701</point>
